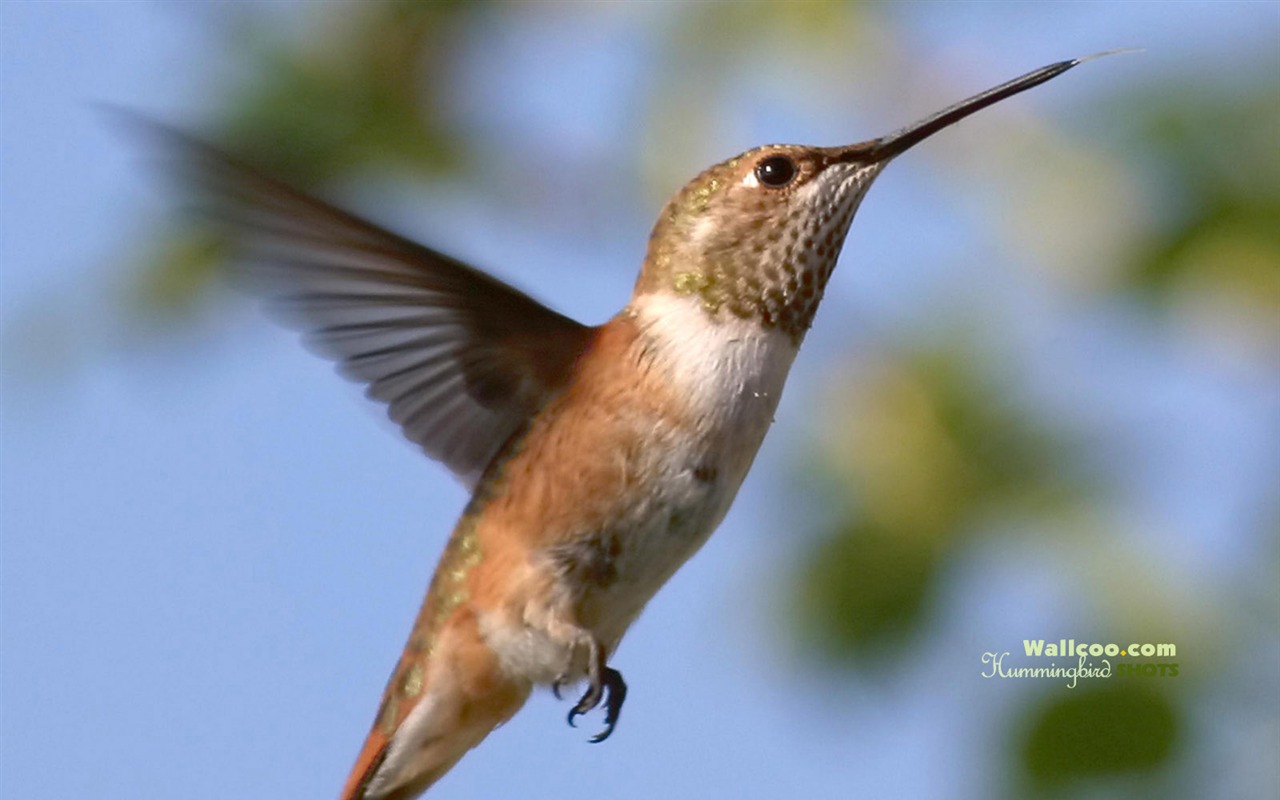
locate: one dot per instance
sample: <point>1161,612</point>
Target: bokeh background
<point>1041,400</point>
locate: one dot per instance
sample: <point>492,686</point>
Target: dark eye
<point>776,171</point>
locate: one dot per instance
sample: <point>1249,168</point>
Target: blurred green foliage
<point>365,90</point>
<point>175,272</point>
<point>1115,729</point>
<point>863,591</point>
<point>1212,151</point>
<point>927,447</point>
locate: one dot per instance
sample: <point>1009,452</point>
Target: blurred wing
<point>461,359</point>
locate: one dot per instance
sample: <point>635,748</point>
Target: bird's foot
<point>604,684</point>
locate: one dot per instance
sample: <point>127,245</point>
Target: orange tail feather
<point>443,699</point>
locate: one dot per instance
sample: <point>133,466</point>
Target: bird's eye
<point>776,171</point>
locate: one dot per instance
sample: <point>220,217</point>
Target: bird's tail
<point>444,698</point>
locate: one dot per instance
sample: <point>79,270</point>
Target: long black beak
<point>886,147</point>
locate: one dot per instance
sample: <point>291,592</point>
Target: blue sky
<point>212,548</point>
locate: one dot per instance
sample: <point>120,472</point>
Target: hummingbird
<point>599,458</point>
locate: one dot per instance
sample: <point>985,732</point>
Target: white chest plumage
<point>729,372</point>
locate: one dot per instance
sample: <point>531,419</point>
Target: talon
<point>555,690</point>
<point>590,698</point>
<point>617,689</point>
<point>603,683</point>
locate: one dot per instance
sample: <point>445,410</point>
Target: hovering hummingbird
<point>599,458</point>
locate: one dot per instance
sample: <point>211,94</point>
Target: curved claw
<point>604,683</point>
<point>617,694</point>
<point>590,699</point>
<point>602,735</point>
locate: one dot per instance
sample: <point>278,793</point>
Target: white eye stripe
<point>750,180</point>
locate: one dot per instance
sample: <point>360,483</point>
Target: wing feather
<point>460,359</point>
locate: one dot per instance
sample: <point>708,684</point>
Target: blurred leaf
<point>1105,728</point>
<point>925,448</point>
<point>176,271</point>
<point>1212,152</point>
<point>1011,454</point>
<point>1229,243</point>
<point>365,91</point>
<point>928,438</point>
<point>863,591</point>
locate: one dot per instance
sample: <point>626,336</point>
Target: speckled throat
<point>755,251</point>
